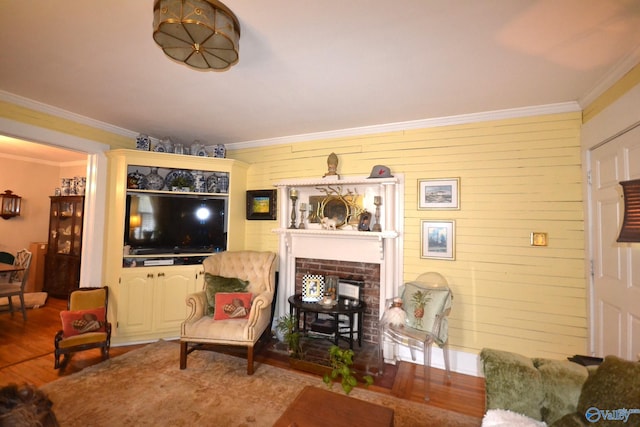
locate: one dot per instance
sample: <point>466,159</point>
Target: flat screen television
<point>159,223</point>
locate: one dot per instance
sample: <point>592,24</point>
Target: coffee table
<point>318,407</point>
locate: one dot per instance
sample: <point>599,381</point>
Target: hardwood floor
<point>26,356</point>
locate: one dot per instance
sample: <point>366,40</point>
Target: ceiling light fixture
<point>630,231</point>
<point>203,34</point>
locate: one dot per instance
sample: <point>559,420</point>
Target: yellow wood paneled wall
<point>517,176</point>
<point>47,121</point>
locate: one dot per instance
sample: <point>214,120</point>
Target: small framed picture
<point>441,193</point>
<point>438,240</point>
<point>312,287</point>
<point>261,204</point>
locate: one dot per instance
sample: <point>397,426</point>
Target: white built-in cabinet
<point>147,300</point>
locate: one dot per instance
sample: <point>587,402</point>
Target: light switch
<point>538,239</point>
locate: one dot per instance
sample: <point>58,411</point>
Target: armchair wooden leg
<point>183,354</point>
<point>250,360</point>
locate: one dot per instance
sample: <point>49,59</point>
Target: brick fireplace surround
<point>360,271</point>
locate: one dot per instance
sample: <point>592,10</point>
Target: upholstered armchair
<point>84,325</point>
<point>241,286</point>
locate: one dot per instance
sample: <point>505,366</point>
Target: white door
<point>616,266</point>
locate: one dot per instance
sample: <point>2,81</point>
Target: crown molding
<point>619,71</point>
<point>565,107</point>
<point>64,114</point>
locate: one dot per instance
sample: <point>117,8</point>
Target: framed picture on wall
<point>261,204</point>
<point>437,240</point>
<point>441,193</point>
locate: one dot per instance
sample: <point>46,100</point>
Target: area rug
<point>31,300</point>
<point>145,387</point>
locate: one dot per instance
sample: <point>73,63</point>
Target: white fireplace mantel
<point>346,244</point>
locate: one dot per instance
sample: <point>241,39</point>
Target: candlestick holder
<point>377,200</point>
<point>294,198</point>
<point>303,209</point>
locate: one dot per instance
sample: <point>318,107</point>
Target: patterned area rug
<point>145,387</point>
<point>31,300</point>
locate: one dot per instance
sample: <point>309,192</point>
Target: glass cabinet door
<point>66,225</point>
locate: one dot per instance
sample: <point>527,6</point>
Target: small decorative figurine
<point>332,166</point>
<point>328,223</point>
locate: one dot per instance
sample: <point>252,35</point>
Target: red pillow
<point>232,305</point>
<point>83,321</point>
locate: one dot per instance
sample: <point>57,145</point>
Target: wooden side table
<point>297,307</point>
<point>316,407</point>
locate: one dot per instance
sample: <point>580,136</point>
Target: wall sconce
<point>9,204</point>
<point>630,231</point>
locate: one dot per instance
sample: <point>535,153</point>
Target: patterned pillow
<point>215,284</point>
<point>422,305</point>
<point>232,305</point>
<point>83,321</point>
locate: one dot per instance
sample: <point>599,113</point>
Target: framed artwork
<point>261,204</point>
<point>312,287</point>
<point>437,239</point>
<point>441,193</point>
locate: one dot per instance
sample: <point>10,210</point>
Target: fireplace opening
<point>364,275</point>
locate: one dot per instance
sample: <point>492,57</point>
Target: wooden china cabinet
<point>62,260</point>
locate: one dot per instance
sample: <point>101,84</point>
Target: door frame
<point>620,116</point>
<point>95,193</point>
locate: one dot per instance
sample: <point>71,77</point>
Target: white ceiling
<point>316,66</point>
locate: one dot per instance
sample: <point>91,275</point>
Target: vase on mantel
<point>154,180</point>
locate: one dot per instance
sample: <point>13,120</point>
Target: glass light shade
<point>203,34</point>
<point>630,231</point>
<point>9,204</point>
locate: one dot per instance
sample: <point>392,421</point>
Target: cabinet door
<point>171,290</point>
<point>135,301</point>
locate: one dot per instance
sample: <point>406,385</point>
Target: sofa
<point>523,391</point>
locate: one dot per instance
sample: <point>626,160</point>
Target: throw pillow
<point>561,382</point>
<point>610,392</point>
<point>232,305</point>
<point>215,284</point>
<point>422,305</point>
<point>504,418</point>
<point>512,383</point>
<point>82,321</point>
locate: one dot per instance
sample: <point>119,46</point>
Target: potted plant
<point>341,361</point>
<point>286,325</point>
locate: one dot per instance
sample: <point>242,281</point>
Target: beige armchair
<point>200,329</point>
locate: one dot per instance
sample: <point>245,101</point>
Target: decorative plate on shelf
<point>312,287</point>
<point>212,184</point>
<point>179,178</point>
<point>136,181</point>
